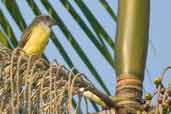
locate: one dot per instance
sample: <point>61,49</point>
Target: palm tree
<point>130,47</point>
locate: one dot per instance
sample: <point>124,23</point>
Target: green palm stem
<point>131,49</point>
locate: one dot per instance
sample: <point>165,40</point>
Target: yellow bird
<point>35,38</point>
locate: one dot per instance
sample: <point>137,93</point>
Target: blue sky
<point>159,55</point>
<point>159,35</point>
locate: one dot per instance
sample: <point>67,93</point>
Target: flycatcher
<point>35,38</point>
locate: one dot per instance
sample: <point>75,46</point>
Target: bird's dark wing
<point>26,34</point>
<point>25,37</point>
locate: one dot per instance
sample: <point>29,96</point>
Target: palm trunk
<point>131,49</point>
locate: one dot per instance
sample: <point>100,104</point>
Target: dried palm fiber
<point>29,84</point>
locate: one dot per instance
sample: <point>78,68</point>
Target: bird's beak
<point>52,22</point>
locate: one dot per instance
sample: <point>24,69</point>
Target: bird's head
<point>47,20</point>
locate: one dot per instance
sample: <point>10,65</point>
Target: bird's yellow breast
<point>37,40</point>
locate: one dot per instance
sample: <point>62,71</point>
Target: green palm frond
<point>7,29</point>
<point>86,29</point>
<point>3,39</point>
<point>108,9</point>
<point>12,7</point>
<point>94,23</point>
